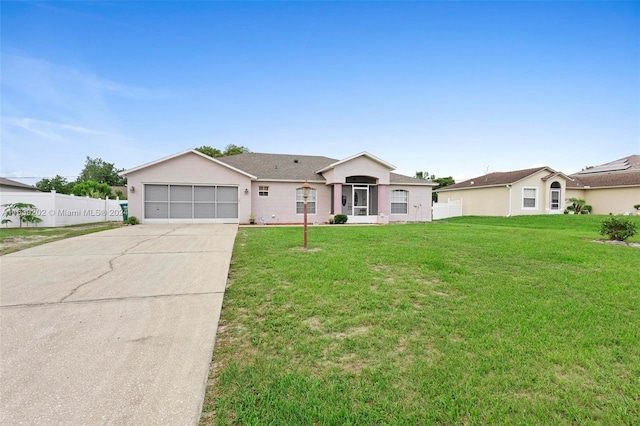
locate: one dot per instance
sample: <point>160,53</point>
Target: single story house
<point>539,190</point>
<point>612,187</point>
<point>609,188</point>
<point>192,187</point>
<point>8,185</point>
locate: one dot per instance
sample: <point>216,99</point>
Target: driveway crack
<point>111,267</point>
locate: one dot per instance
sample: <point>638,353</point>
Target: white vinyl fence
<point>62,210</point>
<point>448,209</point>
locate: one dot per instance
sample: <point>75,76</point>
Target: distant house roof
<point>407,180</point>
<point>626,164</point>
<point>622,172</point>
<point>496,179</point>
<point>14,184</point>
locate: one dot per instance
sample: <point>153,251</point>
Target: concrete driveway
<point>115,327</point>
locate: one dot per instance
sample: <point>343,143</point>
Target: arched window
<point>311,201</point>
<point>399,201</point>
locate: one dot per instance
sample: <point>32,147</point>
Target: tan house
<point>193,187</point>
<point>539,190</point>
<point>609,188</point>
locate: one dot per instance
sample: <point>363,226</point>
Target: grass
<point>15,239</point>
<point>474,321</point>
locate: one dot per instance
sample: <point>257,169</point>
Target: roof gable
<point>353,157</point>
<point>497,179</point>
<point>180,154</point>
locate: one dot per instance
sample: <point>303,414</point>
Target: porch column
<point>337,198</point>
<point>382,199</point>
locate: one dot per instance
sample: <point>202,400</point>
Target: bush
<point>637,207</point>
<point>133,220</point>
<point>340,219</point>
<point>617,228</point>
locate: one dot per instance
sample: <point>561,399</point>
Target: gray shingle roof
<point>400,179</point>
<point>493,179</point>
<point>13,183</point>
<point>628,164</point>
<point>279,166</point>
<point>622,172</point>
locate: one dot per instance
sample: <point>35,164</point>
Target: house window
<point>529,198</point>
<point>399,201</point>
<point>311,201</point>
<point>263,191</point>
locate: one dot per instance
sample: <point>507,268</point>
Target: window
<point>529,198</point>
<point>399,201</point>
<point>263,191</point>
<point>311,201</point>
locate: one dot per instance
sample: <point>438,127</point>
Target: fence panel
<point>451,208</point>
<point>63,210</point>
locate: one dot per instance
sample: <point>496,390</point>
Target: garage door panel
<point>204,193</point>
<point>181,193</point>
<point>156,193</point>
<point>154,210</point>
<point>204,211</point>
<point>227,210</point>
<point>227,194</point>
<point>180,210</point>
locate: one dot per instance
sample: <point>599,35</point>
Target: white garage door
<point>190,203</point>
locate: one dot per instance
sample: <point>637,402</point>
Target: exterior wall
<point>480,201</point>
<point>280,205</point>
<point>613,200</point>
<point>187,169</point>
<point>359,166</point>
<point>419,208</point>
<point>542,194</point>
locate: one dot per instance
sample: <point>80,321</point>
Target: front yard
<point>520,320</point>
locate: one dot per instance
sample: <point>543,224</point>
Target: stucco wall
<point>480,201</point>
<point>359,166</point>
<point>543,194</point>
<point>419,208</point>
<point>280,205</point>
<point>187,169</point>
<point>612,200</point>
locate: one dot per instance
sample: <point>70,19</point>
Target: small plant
<point>637,207</point>
<point>132,220</point>
<point>120,195</point>
<point>617,228</point>
<point>340,219</point>
<point>252,219</point>
<point>577,206</point>
<point>586,209</point>
<point>24,211</point>
<point>331,220</point>
<point>6,222</point>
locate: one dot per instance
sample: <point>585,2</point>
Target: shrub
<point>340,219</point>
<point>637,207</point>
<point>617,228</point>
<point>133,220</point>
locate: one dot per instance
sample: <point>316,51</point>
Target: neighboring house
<point>193,187</point>
<point>8,185</point>
<point>609,188</point>
<point>540,190</point>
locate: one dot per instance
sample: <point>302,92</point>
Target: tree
<point>58,183</point>
<point>91,189</point>
<point>98,170</point>
<point>229,150</point>
<point>424,175</point>
<point>442,182</point>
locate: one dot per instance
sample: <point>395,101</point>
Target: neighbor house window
<point>311,201</point>
<point>529,198</point>
<point>263,191</point>
<point>399,201</point>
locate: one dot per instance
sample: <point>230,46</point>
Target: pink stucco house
<point>193,187</point>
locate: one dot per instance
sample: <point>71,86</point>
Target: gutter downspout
<point>509,186</point>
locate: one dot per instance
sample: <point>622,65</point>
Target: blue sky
<point>452,88</point>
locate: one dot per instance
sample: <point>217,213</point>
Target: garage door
<point>185,203</point>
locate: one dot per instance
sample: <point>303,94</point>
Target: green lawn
<point>509,321</point>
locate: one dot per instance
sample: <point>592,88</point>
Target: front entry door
<point>555,199</point>
<point>360,200</point>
